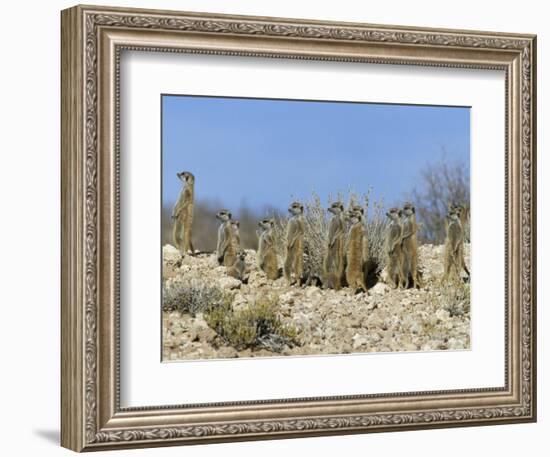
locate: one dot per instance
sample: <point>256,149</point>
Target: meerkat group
<point>402,246</point>
<point>228,250</point>
<point>345,257</point>
<point>347,245</point>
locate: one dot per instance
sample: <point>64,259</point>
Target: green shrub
<point>193,295</point>
<point>258,325</point>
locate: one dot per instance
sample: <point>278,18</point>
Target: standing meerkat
<point>267,255</point>
<point>225,251</point>
<point>182,214</point>
<point>410,245</point>
<point>394,251</point>
<point>455,238</point>
<point>238,268</point>
<point>354,252</point>
<point>294,244</point>
<point>463,215</point>
<point>333,264</point>
<point>365,237</point>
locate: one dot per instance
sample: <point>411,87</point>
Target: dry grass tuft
<point>455,298</point>
<point>193,295</point>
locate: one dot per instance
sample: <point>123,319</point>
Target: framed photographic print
<point>281,228</point>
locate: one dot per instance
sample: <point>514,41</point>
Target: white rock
<point>380,288</point>
<point>442,314</point>
<point>287,297</point>
<point>185,268</point>
<point>429,346</point>
<point>415,327</point>
<point>359,340</point>
<point>227,282</point>
<point>170,253</point>
<point>409,347</point>
<point>313,292</point>
<point>455,344</point>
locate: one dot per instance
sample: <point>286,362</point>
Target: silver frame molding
<point>93,39</point>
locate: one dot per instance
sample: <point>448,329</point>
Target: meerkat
<point>238,268</point>
<point>225,251</point>
<point>409,245</point>
<point>182,214</point>
<point>267,255</point>
<point>294,244</point>
<point>354,252</point>
<point>394,251</point>
<point>365,237</point>
<point>454,239</point>
<point>463,215</point>
<point>235,225</point>
<point>333,264</point>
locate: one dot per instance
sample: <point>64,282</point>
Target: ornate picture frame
<point>93,39</point>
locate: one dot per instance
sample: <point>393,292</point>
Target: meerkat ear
<point>229,214</point>
<point>414,210</point>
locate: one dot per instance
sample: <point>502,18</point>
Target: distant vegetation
<point>440,183</point>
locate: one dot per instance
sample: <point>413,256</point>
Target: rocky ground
<point>329,322</point>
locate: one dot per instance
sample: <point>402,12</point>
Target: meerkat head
<point>241,255</point>
<point>296,208</point>
<point>408,209</point>
<point>223,215</point>
<point>394,214</point>
<point>235,223</point>
<point>266,224</point>
<point>336,208</point>
<point>353,216</point>
<point>457,208</point>
<point>453,214</point>
<point>186,177</point>
<point>358,208</point>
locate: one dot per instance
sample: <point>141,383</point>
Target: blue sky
<point>265,152</point>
